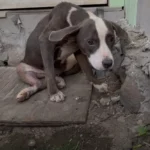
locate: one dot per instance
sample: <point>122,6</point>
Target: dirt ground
<point>109,127</point>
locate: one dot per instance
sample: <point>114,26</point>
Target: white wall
<point>143,15</point>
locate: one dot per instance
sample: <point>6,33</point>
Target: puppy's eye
<point>111,38</point>
<point>91,42</point>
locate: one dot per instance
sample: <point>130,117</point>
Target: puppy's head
<point>95,38</point>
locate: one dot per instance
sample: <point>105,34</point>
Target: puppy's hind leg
<point>29,77</point>
<point>36,85</point>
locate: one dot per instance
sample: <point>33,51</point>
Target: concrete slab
<point>38,110</point>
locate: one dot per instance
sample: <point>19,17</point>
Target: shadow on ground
<point>73,138</point>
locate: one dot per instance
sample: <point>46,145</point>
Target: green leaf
<point>142,130</point>
<point>137,146</point>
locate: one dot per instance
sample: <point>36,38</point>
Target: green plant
<point>142,130</point>
<point>137,147</point>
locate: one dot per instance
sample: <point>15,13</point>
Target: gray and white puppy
<point>67,39</point>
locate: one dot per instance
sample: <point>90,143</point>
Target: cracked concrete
<point>135,94</point>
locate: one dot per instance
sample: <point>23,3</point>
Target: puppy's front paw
<point>58,97</point>
<point>60,82</point>
<point>102,88</point>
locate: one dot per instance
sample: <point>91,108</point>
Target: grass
<point>137,146</point>
<point>142,130</point>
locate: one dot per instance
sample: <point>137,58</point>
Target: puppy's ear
<point>59,35</point>
<point>122,35</point>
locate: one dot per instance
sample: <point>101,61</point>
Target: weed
<point>137,147</point>
<point>142,130</point>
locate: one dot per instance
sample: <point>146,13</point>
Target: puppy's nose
<point>107,63</point>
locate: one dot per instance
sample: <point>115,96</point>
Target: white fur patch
<point>60,82</point>
<point>69,15</point>
<point>71,61</point>
<point>103,51</point>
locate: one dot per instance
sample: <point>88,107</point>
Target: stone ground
<point>111,123</point>
<point>109,127</point>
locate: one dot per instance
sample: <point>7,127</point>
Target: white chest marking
<point>71,62</point>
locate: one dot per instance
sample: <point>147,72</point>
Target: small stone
<point>140,122</point>
<point>77,98</point>
<point>134,129</point>
<point>126,62</point>
<point>121,119</point>
<point>115,99</point>
<point>145,70</point>
<point>31,143</point>
<point>96,103</point>
<point>113,113</point>
<point>146,47</point>
<point>104,116</point>
<point>81,135</point>
<point>91,123</point>
<point>103,88</point>
<point>70,140</point>
<point>105,101</point>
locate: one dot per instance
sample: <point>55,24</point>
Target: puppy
<point>65,41</point>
